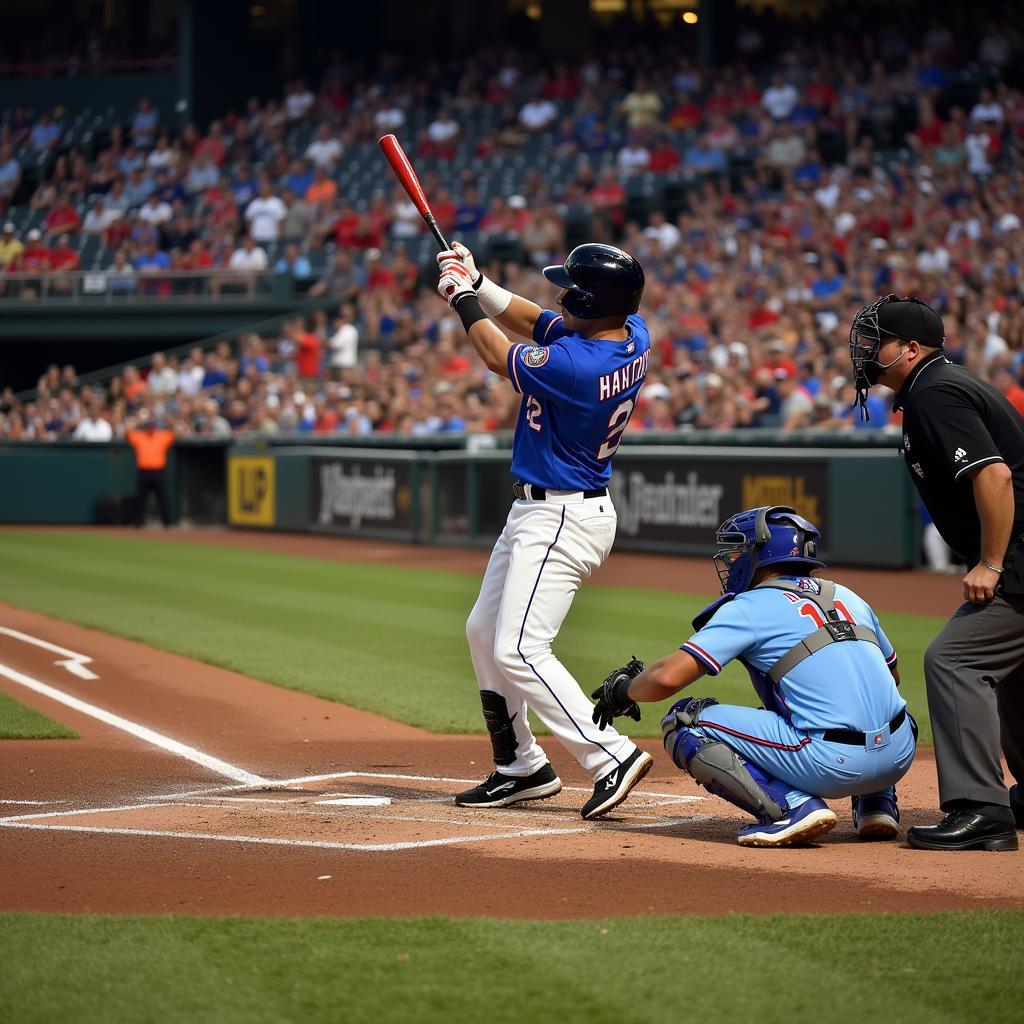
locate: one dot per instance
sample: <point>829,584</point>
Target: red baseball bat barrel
<point>395,155</point>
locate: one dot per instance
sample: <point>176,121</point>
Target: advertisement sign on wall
<point>361,496</point>
<point>251,490</point>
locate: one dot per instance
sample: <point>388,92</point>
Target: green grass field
<point>392,641</point>
<point>909,968</point>
<point>378,637</point>
<point>18,722</point>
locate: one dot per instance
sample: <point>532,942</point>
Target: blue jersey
<point>578,398</point>
<point>845,685</point>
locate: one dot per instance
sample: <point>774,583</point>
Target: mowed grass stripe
<point>18,722</point>
<point>934,968</point>
<point>379,637</point>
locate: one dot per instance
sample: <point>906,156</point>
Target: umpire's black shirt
<point>953,423</point>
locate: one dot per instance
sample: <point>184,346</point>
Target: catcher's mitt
<point>612,695</point>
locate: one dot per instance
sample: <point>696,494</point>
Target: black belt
<point>531,492</point>
<point>859,739</point>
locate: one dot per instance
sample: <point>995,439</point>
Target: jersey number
<point>533,411</point>
<point>813,612</point>
<point>617,423</point>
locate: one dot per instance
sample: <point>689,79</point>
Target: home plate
<point>358,801</point>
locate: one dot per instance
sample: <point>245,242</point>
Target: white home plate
<point>358,801</point>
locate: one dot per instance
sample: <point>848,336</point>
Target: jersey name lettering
<point>611,384</point>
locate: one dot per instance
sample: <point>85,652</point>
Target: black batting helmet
<point>601,281</point>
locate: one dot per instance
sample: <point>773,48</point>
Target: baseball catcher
<point>833,723</point>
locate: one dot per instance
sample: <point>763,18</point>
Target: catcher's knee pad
<point>723,772</point>
<point>499,725</point>
<point>683,713</point>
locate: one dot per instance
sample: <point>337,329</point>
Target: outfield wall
<point>669,498</point>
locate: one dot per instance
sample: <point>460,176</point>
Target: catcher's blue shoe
<point>811,819</point>
<point>876,816</point>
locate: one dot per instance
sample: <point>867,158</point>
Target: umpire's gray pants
<point>974,671</point>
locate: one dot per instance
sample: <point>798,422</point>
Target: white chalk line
<point>416,844</point>
<point>13,819</point>
<point>73,661</point>
<point>32,803</point>
<point>142,732</point>
<point>248,780</point>
<point>663,799</point>
<point>314,843</point>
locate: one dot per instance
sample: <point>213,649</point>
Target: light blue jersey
<point>845,685</point>
<point>578,398</point>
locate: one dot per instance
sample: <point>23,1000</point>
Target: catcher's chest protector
<point>835,630</point>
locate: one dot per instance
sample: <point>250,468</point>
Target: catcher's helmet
<point>769,535</point>
<point>601,281</point>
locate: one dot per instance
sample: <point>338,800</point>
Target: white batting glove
<point>460,253</point>
<point>455,282</point>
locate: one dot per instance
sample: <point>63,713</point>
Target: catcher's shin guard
<point>499,726</point>
<point>723,772</point>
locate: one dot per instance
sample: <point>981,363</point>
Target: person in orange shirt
<point>322,189</point>
<point>134,386</point>
<point>151,446</point>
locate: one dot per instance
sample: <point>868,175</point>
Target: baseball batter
<point>833,723</point>
<point>579,380</point>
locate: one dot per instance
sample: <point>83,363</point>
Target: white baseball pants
<point>543,554</point>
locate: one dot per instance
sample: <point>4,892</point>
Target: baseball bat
<point>395,155</point>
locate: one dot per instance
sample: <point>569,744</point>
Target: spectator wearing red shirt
<point>664,157</point>
<point>63,257</point>
<point>307,354</point>
<point>444,209</point>
<point>326,419</point>
<point>686,114</point>
<point>346,227</point>
<point>213,145</point>
<point>62,218</point>
<point>720,102</point>
<point>562,85</point>
<point>820,92</point>
<point>929,129</point>
<point>608,198</point>
<point>34,258</point>
<point>379,276</point>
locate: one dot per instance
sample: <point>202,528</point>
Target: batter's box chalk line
<point>217,797</point>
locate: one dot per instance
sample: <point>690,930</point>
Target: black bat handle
<point>432,224</point>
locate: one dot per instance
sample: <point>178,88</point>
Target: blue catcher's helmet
<point>769,535</point>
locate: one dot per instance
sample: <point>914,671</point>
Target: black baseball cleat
<point>964,830</point>
<point>1017,806</point>
<point>611,789</point>
<point>499,790</point>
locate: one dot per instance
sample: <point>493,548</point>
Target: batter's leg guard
<point>499,725</point>
<point>723,772</point>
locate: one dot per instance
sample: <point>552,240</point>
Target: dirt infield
<point>197,790</point>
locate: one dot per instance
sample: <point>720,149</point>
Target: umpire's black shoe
<point>611,789</point>
<point>499,790</point>
<point>1017,806</point>
<point>964,830</point>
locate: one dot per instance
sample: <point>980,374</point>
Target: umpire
<point>964,447</point>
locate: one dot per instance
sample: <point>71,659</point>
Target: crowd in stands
<point>767,200</point>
